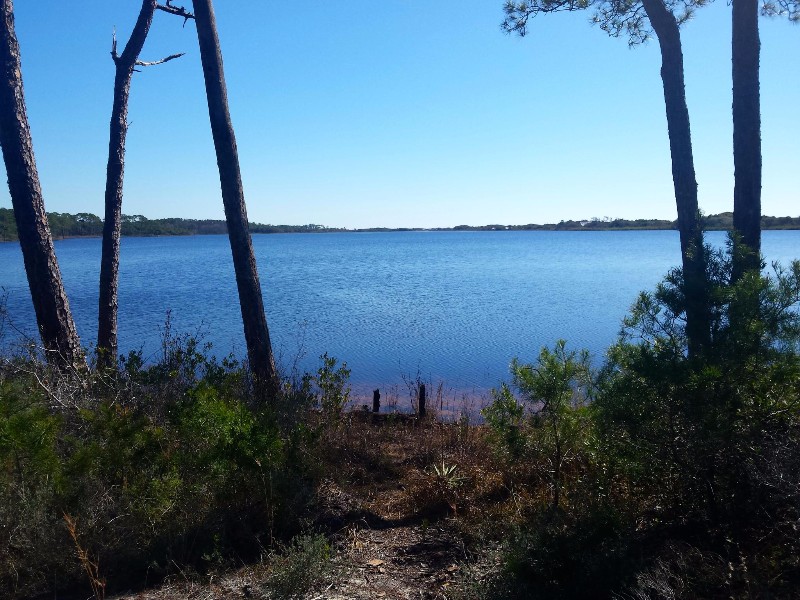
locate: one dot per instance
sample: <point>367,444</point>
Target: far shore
<point>85,225</point>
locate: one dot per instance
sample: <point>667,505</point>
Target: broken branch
<point>114,54</point>
<point>175,10</point>
<point>142,63</point>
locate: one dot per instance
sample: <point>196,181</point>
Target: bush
<point>505,417</point>
<point>31,480</point>
<point>554,437</point>
<point>711,439</point>
<point>334,390</point>
<point>681,475</point>
<point>560,556</point>
<point>157,467</point>
<point>302,565</point>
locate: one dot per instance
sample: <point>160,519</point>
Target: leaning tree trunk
<point>115,172</point>
<point>683,175</point>
<point>256,333</point>
<point>746,136</point>
<point>50,302</point>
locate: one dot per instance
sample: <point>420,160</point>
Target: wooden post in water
<point>421,401</point>
<point>376,400</point>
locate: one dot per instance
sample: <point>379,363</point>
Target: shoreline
<point>409,230</point>
<point>86,225</point>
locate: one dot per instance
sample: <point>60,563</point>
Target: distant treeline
<point>720,222</point>
<point>63,225</point>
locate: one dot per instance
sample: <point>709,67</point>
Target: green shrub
<point>31,480</point>
<point>697,450</point>
<point>561,556</point>
<point>557,432</point>
<point>697,426</point>
<point>163,466</point>
<point>504,416</point>
<point>334,389</point>
<point>302,565</point>
<point>713,438</point>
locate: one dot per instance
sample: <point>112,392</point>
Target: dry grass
<point>91,566</point>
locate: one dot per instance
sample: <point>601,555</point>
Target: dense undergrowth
<point>659,476</point>
<point>162,467</point>
<point>664,475</point>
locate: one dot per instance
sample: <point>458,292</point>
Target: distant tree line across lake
<point>64,225</point>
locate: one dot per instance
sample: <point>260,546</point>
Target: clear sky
<point>398,113</point>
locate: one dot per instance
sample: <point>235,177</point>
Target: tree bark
<point>683,174</point>
<point>115,173</point>
<point>746,136</point>
<point>256,332</point>
<point>50,302</point>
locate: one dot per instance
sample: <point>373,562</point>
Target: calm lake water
<point>453,307</point>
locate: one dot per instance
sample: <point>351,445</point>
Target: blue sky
<point>399,113</point>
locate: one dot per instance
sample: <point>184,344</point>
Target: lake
<point>451,307</point>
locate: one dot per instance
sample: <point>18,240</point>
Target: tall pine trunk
<point>50,303</point>
<point>746,136</point>
<point>115,172</point>
<point>683,174</point>
<point>256,332</point>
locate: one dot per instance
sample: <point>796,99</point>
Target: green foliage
<point>31,479</point>
<point>754,317</point>
<point>28,433</point>
<point>681,475</point>
<point>165,465</point>
<point>447,475</point>
<point>504,417</point>
<point>556,434</point>
<point>301,566</point>
<point>8,225</point>
<point>617,19</point>
<point>558,385</point>
<point>712,438</point>
<point>444,486</point>
<point>332,382</point>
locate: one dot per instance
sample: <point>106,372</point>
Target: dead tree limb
<point>142,63</point>
<point>178,11</point>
